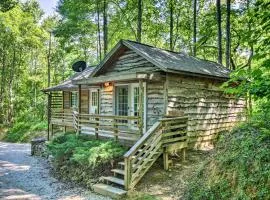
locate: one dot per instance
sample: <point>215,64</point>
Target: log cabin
<point>154,100</point>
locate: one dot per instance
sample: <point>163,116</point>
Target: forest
<point>38,50</point>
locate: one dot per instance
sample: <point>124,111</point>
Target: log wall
<point>155,102</point>
<point>106,100</point>
<point>129,62</point>
<point>85,101</point>
<point>210,111</point>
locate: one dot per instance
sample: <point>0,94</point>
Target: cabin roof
<point>169,61</point>
<point>67,84</point>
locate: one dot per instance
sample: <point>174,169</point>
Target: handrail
<point>141,141</point>
<point>142,155</point>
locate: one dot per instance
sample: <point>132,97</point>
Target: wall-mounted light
<point>107,84</point>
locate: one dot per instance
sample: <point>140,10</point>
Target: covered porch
<point>114,108</point>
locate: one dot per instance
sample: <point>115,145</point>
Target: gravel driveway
<point>25,177</point>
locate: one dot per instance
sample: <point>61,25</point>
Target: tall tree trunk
<point>218,7</point>
<point>171,24</point>
<point>49,60</point>
<point>250,43</point>
<point>194,27</point>
<point>105,27</point>
<point>2,88</point>
<point>139,23</point>
<point>228,34</point>
<point>98,31</point>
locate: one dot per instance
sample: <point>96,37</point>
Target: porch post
<point>49,115</point>
<point>140,107</point>
<point>79,108</point>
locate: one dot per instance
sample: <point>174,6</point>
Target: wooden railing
<point>117,127</point>
<point>62,118</point>
<point>126,127</point>
<point>163,134</point>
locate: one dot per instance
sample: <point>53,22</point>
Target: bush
<point>240,166</point>
<point>82,160</point>
<point>25,131</point>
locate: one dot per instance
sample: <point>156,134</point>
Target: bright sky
<point>48,6</point>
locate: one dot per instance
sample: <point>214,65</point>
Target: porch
<point>127,129</point>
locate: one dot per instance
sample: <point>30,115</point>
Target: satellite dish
<point>79,66</point>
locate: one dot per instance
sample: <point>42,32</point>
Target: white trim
<point>130,100</point>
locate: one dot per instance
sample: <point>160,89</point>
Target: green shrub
<point>76,158</point>
<point>69,148</point>
<point>240,166</point>
<point>25,131</point>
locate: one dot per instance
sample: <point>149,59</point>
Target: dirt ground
<point>170,185</point>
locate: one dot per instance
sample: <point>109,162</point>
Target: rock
<point>38,147</point>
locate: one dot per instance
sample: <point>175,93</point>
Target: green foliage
<point>76,158</point>
<point>25,128</point>
<point>240,166</point>
<point>69,148</point>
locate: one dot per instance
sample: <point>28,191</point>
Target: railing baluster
<point>97,122</point>
<point>115,129</point>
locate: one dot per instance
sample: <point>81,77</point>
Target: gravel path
<point>25,177</point>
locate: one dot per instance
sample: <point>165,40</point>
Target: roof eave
<point>198,75</point>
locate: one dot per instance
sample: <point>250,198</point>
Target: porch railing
<point>117,127</point>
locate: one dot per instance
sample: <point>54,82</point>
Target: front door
<point>94,101</point>
<point>122,103</point>
<point>127,102</point>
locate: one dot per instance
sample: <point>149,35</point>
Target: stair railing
<point>142,155</point>
<point>165,134</point>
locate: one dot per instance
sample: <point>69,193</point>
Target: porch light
<point>107,84</point>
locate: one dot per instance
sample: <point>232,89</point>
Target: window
<point>74,99</point>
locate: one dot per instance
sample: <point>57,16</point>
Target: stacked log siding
<point>210,111</point>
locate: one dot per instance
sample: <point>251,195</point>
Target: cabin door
<point>134,103</point>
<point>122,103</point>
<point>94,101</point>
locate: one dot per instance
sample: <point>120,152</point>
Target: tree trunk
<point>194,27</point>
<point>171,24</point>
<point>219,31</point>
<point>2,89</point>
<point>49,60</point>
<point>98,31</point>
<point>250,42</point>
<point>105,27</point>
<point>228,34</point>
<point>139,25</point>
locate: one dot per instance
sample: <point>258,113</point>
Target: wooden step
<point>109,190</point>
<point>118,171</point>
<point>114,180</point>
<point>121,163</point>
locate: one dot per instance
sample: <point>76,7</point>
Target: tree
<point>219,35</point>
<point>194,26</point>
<point>105,27</point>
<point>228,34</point>
<point>139,26</point>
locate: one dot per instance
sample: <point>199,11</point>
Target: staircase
<point>140,157</point>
